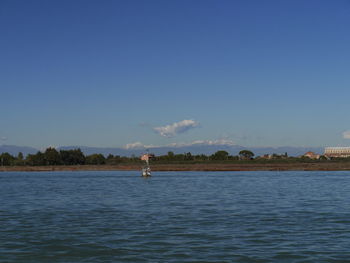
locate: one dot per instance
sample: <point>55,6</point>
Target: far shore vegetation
<point>53,157</point>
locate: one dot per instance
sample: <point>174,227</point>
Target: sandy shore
<point>192,167</point>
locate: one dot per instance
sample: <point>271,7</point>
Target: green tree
<point>246,155</point>
<point>6,159</point>
<point>220,155</point>
<point>170,155</point>
<point>36,159</point>
<point>20,156</point>
<point>52,156</point>
<point>188,157</point>
<point>201,157</point>
<point>20,159</point>
<point>72,157</point>
<point>95,159</point>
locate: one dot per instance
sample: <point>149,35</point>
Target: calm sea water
<point>175,217</point>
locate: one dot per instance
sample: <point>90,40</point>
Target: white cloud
<point>222,142</point>
<point>346,135</point>
<point>218,142</point>
<point>3,138</point>
<point>178,127</point>
<point>137,145</point>
<point>215,142</point>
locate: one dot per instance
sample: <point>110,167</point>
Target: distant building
<point>337,152</point>
<point>312,155</point>
<point>266,156</point>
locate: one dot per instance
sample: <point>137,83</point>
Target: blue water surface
<point>118,216</point>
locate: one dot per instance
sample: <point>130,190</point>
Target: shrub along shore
<point>75,160</point>
<point>330,166</point>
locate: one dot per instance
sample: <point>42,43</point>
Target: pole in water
<point>146,170</point>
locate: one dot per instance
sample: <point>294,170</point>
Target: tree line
<point>51,156</point>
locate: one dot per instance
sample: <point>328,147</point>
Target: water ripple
<point>175,217</point>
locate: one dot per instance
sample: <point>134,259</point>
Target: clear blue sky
<point>105,73</point>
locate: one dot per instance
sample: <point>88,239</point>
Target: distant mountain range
<point>14,150</point>
<point>161,150</point>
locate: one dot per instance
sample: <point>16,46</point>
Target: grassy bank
<point>307,166</point>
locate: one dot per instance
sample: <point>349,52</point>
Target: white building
<point>337,151</point>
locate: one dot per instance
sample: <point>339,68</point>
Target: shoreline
<point>187,167</point>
